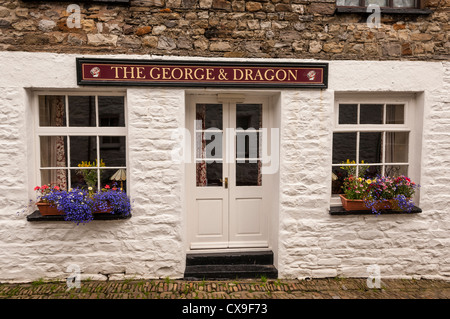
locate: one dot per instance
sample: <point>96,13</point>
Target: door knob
<point>225,182</point>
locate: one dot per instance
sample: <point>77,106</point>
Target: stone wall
<point>225,28</point>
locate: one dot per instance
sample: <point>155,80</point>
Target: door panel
<point>210,217</point>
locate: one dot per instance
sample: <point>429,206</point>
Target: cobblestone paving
<point>331,288</point>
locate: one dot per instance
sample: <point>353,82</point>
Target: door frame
<point>265,98</point>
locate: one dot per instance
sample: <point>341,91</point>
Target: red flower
<point>56,187</point>
<point>107,187</point>
<point>37,188</point>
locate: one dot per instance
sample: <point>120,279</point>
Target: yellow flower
<point>369,181</point>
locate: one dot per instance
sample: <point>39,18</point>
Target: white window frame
<point>68,131</point>
<point>412,124</point>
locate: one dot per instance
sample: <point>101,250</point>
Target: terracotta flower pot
<point>358,204</point>
<point>109,209</point>
<point>47,210</point>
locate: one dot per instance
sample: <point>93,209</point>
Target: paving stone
<point>179,289</point>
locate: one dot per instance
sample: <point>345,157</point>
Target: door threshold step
<point>230,258</point>
<point>200,272</point>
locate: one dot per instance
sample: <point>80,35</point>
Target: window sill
<point>385,10</point>
<point>339,210</point>
<point>37,217</point>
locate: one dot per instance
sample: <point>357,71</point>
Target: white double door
<point>226,187</point>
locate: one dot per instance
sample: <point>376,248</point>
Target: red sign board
<point>185,73</point>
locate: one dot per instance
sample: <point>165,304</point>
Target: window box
<point>36,216</point>
<point>340,211</point>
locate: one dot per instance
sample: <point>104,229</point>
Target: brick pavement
<point>330,288</point>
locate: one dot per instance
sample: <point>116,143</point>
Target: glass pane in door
<point>208,144</point>
<point>248,144</point>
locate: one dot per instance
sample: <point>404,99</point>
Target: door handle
<point>225,182</point>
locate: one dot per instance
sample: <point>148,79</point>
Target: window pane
<point>113,178</point>
<point>396,170</point>
<point>113,150</point>
<point>82,111</point>
<point>348,113</point>
<point>54,177</point>
<point>53,151</point>
<point>209,145</point>
<point>404,3</point>
<point>248,144</point>
<point>111,111</point>
<point>370,144</point>
<point>344,147</point>
<point>397,147</point>
<point>371,114</point>
<point>208,116</point>
<point>52,110</point>
<point>82,148</point>
<point>337,181</point>
<point>395,114</point>
<point>347,2</point>
<point>248,173</point>
<point>381,3</point>
<point>209,174</point>
<point>83,178</point>
<point>373,172</point>
<point>248,116</point>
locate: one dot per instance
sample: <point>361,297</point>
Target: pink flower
<point>44,187</point>
<point>107,187</point>
<point>37,188</point>
<point>56,187</point>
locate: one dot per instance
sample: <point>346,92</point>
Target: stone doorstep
<point>230,265</point>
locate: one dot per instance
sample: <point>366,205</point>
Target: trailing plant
<point>78,204</point>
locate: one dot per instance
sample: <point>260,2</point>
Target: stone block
<point>143,30</point>
<point>220,46</point>
<point>253,6</point>
<point>221,4</point>
<point>102,39</point>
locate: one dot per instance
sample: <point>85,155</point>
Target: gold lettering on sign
<point>131,72</point>
<point>188,74</point>
<point>180,72</point>
<point>157,77</point>
<point>294,75</point>
<point>117,70</point>
<point>235,77</point>
<point>284,75</point>
<point>165,74</point>
<point>248,75</point>
<point>209,75</point>
<point>258,76</point>
<point>266,76</point>
<point>205,73</point>
<point>139,74</point>
<point>197,77</point>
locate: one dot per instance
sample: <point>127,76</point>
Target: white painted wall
<point>151,244</point>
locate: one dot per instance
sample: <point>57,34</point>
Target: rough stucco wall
<point>151,243</point>
<point>315,244</point>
